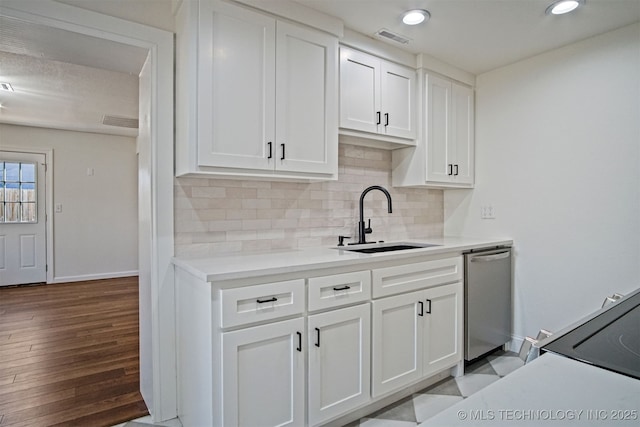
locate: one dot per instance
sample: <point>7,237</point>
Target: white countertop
<point>248,265</point>
<point>550,391</point>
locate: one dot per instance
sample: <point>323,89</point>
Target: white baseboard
<point>515,343</point>
<point>81,278</point>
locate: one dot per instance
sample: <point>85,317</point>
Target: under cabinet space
<point>260,303</point>
<point>339,290</point>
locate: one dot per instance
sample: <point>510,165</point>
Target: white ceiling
<point>481,35</point>
<point>68,80</point>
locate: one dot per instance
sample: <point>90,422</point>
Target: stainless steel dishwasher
<point>487,302</point>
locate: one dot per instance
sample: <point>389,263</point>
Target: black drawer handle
<point>282,157</point>
<point>262,301</point>
<point>344,288</point>
<point>456,172</point>
<point>270,150</point>
<point>421,312</point>
<point>450,169</point>
<point>299,348</point>
<point>386,119</point>
<point>317,337</point>
<point>378,121</point>
<point>429,306</point>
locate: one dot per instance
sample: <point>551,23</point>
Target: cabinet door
<point>263,375</point>
<point>396,342</point>
<point>306,101</point>
<point>339,362</point>
<point>236,87</point>
<point>439,161</point>
<point>359,91</point>
<point>398,100</point>
<point>462,130</point>
<point>443,328</point>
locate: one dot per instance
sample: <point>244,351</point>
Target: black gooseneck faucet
<point>362,230</point>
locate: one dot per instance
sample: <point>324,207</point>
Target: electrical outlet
<point>487,212</point>
<point>58,207</point>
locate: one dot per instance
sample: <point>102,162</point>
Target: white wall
<point>96,234</point>
<point>558,156</point>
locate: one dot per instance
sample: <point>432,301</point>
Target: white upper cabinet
<point>449,131</point>
<point>377,97</point>
<point>264,101</point>
<point>444,155</point>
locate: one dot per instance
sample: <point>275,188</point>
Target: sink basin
<point>372,249</point>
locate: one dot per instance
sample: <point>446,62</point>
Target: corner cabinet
<point>256,96</point>
<point>444,156</point>
<point>377,98</point>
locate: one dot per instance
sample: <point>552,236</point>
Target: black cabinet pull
<point>317,337</point>
<point>421,312</point>
<point>299,348</point>
<point>270,150</point>
<point>343,288</point>
<point>450,169</point>
<point>456,172</point>
<point>282,146</point>
<point>429,306</point>
<point>386,119</point>
<point>378,117</point>
<point>262,301</point>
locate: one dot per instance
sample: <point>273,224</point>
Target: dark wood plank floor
<point>69,354</point>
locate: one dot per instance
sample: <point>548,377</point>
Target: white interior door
<point>22,218</point>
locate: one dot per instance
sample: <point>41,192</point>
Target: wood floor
<point>69,354</point>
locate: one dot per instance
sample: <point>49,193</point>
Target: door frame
<point>48,201</point>
<point>161,394</point>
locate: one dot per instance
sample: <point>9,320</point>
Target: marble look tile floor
<point>414,410</point>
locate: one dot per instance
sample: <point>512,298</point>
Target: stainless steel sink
<point>388,247</point>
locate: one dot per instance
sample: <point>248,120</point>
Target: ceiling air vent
<point>385,34</point>
<point>123,122</point>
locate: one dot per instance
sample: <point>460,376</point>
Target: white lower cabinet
<point>298,351</point>
<point>415,335</point>
<point>263,375</point>
<point>339,362</point>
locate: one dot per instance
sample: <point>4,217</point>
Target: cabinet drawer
<point>339,290</point>
<point>411,277</point>
<point>261,302</point>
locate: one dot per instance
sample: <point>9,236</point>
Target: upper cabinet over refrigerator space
<point>256,95</point>
<point>377,99</point>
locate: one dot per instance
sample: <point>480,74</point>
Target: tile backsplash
<point>214,216</point>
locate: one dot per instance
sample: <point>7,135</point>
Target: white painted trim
<point>160,44</point>
<point>48,201</point>
<point>83,277</point>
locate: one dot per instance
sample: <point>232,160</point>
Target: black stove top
<point>610,340</point>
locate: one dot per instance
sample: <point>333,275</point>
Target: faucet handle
<point>368,229</point>
<point>341,240</point>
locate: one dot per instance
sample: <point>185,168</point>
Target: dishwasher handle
<point>492,257</point>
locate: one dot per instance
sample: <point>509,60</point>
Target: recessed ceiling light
<point>563,6</point>
<point>415,17</point>
<point>6,87</point>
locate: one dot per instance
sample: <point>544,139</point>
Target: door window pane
<point>18,192</point>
